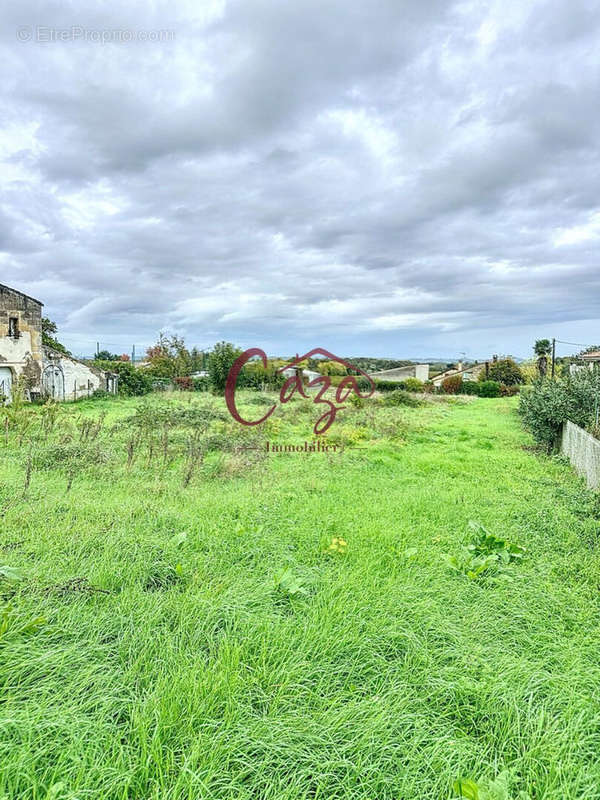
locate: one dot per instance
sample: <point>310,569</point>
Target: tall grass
<point>155,642</point>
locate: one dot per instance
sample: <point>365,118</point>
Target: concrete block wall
<point>583,451</point>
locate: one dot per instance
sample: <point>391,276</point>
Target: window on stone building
<point>13,327</point>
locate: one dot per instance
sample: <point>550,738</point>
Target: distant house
<point>592,358</point>
<point>42,371</point>
<point>470,373</point>
<point>308,374</point>
<point>398,374</point>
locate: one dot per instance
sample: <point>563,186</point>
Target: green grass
<point>377,673</point>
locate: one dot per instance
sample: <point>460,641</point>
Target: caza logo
<point>294,384</point>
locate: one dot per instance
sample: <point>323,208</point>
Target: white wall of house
<point>15,351</point>
<point>420,371</point>
<point>76,379</point>
<point>17,358</point>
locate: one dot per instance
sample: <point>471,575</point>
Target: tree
<point>542,348</point>
<point>506,371</point>
<point>132,381</point>
<point>332,368</point>
<point>220,361</point>
<point>169,357</point>
<point>105,355</point>
<point>48,330</point>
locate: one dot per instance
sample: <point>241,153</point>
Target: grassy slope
<point>390,679</point>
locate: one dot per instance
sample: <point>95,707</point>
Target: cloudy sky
<point>402,178</point>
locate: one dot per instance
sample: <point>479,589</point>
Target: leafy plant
<point>470,565</point>
<point>489,389</point>
<point>169,357</point>
<point>413,385</point>
<point>486,543</point>
<point>471,387</point>
<point>401,398</point>
<point>380,385</point>
<point>505,370</point>
<point>132,380</point>
<point>49,339</point>
<point>452,384</point>
<point>290,585</point>
<point>220,361</point>
<point>356,401</point>
<point>486,554</point>
<point>496,789</point>
<point>509,391</point>
<point>550,403</point>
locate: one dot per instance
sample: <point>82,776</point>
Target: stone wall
<point>583,451</point>
<point>21,353</point>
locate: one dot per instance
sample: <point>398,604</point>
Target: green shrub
<point>452,384</point>
<point>221,359</point>
<point>356,401</point>
<point>259,400</point>
<point>256,376</point>
<point>505,370</point>
<point>401,398</point>
<point>184,384</point>
<point>489,389</point>
<point>413,385</point>
<point>471,387</point>
<point>201,384</point>
<point>548,404</point>
<point>387,386</point>
<point>161,384</point>
<point>132,381</point>
<point>363,384</point>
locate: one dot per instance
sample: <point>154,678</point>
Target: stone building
<point>40,370</point>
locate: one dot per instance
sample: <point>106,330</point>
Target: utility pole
<point>97,349</point>
<point>133,354</point>
<point>553,355</point>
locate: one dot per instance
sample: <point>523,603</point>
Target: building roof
<point>50,352</point>
<point>408,367</point>
<point>592,355</point>
<point>16,291</point>
<point>449,373</point>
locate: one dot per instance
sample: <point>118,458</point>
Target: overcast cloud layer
<point>404,179</point>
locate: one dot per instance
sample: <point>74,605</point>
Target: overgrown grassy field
<point>183,620</point>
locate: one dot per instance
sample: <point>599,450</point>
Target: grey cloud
<point>400,178</point>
